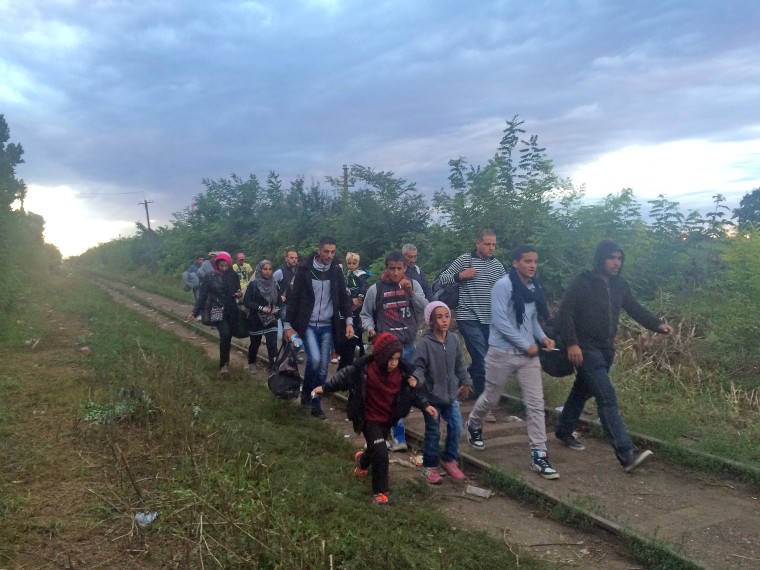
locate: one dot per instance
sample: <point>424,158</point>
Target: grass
<point>238,478</point>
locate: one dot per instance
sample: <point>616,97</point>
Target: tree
<point>11,188</point>
<point>748,211</point>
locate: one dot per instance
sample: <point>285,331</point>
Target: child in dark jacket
<point>440,367</point>
<point>381,390</point>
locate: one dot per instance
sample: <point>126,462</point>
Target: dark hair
<point>327,240</point>
<point>485,232</point>
<point>393,257</point>
<point>287,251</point>
<point>518,252</point>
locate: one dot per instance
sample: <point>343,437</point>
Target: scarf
<point>267,287</point>
<point>522,295</point>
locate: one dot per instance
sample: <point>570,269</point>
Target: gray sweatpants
<point>500,367</point>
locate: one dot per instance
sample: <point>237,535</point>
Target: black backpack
<point>448,293</point>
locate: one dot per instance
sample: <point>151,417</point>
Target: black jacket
<point>253,300</point>
<point>354,379</point>
<point>218,290</point>
<point>588,315</point>
<point>300,301</point>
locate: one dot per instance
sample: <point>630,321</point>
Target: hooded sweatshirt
<point>588,315</point>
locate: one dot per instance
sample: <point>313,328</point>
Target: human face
<point>240,262</point>
<point>291,259</point>
<point>326,253</point>
<point>393,362</point>
<point>395,271</point>
<point>199,261</point>
<point>441,319</point>
<point>222,265</point>
<point>486,246</point>
<point>266,271</point>
<point>613,264</point>
<point>352,264</point>
<point>411,258</point>
<point>526,266</point>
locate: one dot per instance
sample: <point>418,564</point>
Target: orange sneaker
<point>358,471</point>
<point>380,499</point>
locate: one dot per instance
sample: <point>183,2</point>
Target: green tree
<point>748,212</point>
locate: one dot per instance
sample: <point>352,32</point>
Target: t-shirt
<point>243,272</point>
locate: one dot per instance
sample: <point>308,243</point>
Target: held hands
<point>432,411</point>
<point>575,355</point>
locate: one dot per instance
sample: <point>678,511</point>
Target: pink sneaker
<point>432,476</point>
<point>453,471</point>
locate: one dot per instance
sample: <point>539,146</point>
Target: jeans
<point>475,335</point>
<point>452,416</point>
<point>318,344</point>
<point>225,342</point>
<point>500,367</point>
<point>593,379</point>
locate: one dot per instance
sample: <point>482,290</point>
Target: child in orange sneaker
<point>440,367</point>
<point>381,390</point>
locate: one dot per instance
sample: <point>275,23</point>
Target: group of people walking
<point>501,314</point>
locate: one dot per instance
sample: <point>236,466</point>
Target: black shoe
<point>638,460</point>
<point>571,441</point>
<point>475,437</point>
<point>318,413</point>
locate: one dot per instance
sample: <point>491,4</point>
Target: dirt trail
<point>523,529</point>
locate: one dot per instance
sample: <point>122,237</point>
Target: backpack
<point>448,293</point>
<point>190,280</point>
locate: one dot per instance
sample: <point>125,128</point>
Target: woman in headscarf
<point>217,304</point>
<point>263,301</point>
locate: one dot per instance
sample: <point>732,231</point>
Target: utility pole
<point>147,215</point>
<point>345,184</point>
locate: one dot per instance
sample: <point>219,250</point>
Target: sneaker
<point>318,413</point>
<point>380,499</point>
<point>224,370</point>
<point>252,368</point>
<point>358,471</point>
<point>540,464</point>
<point>490,418</point>
<point>475,437</point>
<point>432,476</point>
<point>638,460</point>
<point>398,445</point>
<point>571,441</point>
<point>453,471</point>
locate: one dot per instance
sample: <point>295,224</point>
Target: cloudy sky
<point>117,100</point>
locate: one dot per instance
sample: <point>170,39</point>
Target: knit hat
<point>432,306</point>
<point>384,346</point>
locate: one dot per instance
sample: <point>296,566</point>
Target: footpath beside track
<point>697,519</point>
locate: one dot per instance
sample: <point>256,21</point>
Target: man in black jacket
<point>319,310</point>
<point>587,323</point>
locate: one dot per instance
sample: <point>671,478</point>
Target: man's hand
<point>548,343</point>
<point>407,286</point>
<point>432,411</point>
<point>349,331</point>
<point>665,328</point>
<point>371,334</point>
<point>318,391</point>
<point>287,333</point>
<point>532,350</point>
<point>575,355</point>
<point>468,273</point>
<point>464,391</point>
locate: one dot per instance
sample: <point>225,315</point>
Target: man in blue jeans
<point>319,310</point>
<point>475,272</point>
<point>587,324</point>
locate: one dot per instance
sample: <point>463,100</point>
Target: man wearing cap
<point>243,270</point>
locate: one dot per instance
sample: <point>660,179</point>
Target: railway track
<point>669,515</point>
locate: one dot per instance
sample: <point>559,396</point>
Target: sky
<point>119,101</point>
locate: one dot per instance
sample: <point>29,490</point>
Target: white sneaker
<point>638,461</point>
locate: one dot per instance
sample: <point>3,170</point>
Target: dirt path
<point>521,527</point>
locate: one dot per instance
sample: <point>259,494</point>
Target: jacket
<point>218,290</point>
<point>354,379</point>
<point>300,301</point>
<point>440,367</point>
<point>252,300</point>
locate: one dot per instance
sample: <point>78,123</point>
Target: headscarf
<point>222,256</point>
<point>267,287</point>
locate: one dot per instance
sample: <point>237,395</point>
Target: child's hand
<point>432,411</point>
<point>464,392</point>
<point>412,381</point>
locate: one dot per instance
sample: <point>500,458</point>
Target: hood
<point>606,248</point>
<point>222,256</point>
